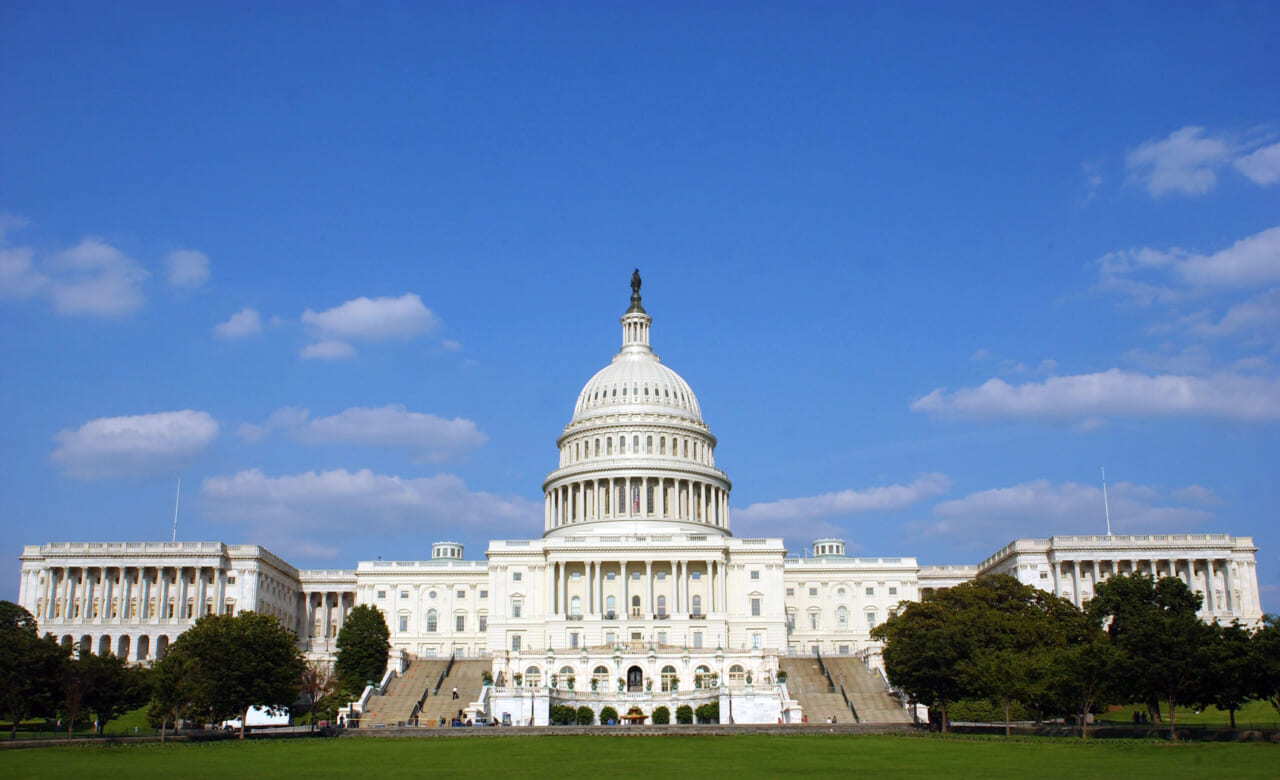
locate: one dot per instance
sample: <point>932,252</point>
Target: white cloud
<point>94,279</point>
<point>1040,508</point>
<point>284,417</point>
<point>1192,359</point>
<point>451,345</point>
<point>845,502</point>
<point>342,504</point>
<point>187,268</point>
<point>136,445</point>
<point>1197,494</point>
<point>1259,313</point>
<point>1185,162</point>
<point>1113,393</point>
<point>242,324</point>
<point>374,319</point>
<point>435,438</point>
<point>979,355</point>
<point>330,349</point>
<point>1261,166</point>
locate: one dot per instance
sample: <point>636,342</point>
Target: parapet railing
<point>440,680</point>
<point>853,710</point>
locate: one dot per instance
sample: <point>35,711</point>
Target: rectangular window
<point>515,643</point>
<point>515,576</point>
<point>755,607</point>
<point>755,575</point>
<point>484,594</point>
<point>382,594</point>
<point>404,624</point>
<point>791,591</point>
<point>871,591</point>
<point>871,619</point>
<point>573,641</point>
<point>462,594</point>
<point>813,620</point>
<point>662,637</point>
<point>231,580</point>
<point>1044,575</point>
<point>755,641</point>
<point>697,639</point>
<point>610,637</point>
<point>813,591</point>
<point>575,576</point>
<point>462,623</point>
<point>404,594</point>
<point>844,649</point>
<point>610,575</point>
<point>893,591</point>
<point>483,624</point>
<point>515,608</point>
<point>697,575</point>
<point>635,575</point>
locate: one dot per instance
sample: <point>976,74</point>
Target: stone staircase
<point>396,706</point>
<point>865,691</point>
<point>808,686</point>
<point>466,676</point>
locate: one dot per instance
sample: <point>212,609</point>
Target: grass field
<point>604,756</point>
<point>1255,714</point>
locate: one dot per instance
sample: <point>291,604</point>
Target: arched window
<point>622,445</point>
<point>431,621</point>
<point>635,606</point>
<point>610,606</point>
<point>575,606</point>
<point>597,448</point>
<point>737,674</point>
<point>601,675</point>
<point>662,605</point>
<point>697,605</point>
<point>648,445</point>
<point>635,444</point>
<point>842,617</point>
<point>668,678</point>
<point>532,677</point>
<point>702,677</point>
<point>608,446</point>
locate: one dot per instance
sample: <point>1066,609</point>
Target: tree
<point>1154,624</point>
<point>585,716</point>
<point>114,687</point>
<point>30,667</point>
<point>75,681</point>
<point>173,683</point>
<point>684,714</point>
<point>363,647</point>
<point>1227,671</point>
<point>1264,654</point>
<point>923,648</point>
<point>240,662</point>
<point>318,684</point>
<point>1080,676</point>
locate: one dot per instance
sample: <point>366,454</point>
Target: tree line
<point>218,670</point>
<point>1138,640</point>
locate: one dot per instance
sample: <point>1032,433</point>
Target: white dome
<point>636,383</point>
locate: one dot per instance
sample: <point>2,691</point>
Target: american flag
<point>635,499</point>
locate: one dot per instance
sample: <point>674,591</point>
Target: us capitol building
<point>637,589</point>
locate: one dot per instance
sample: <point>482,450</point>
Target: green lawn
<point>649,757</point>
<point>1255,714</point>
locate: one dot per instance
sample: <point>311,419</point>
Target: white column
<point>564,588</point>
<point>1232,606</point>
<point>1209,604</point>
<point>676,606</point>
<point>648,575</point>
<point>626,590</point>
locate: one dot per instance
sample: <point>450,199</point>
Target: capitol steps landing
<point>396,706</point>
<point>808,686</point>
<point>866,691</point>
<point>468,677</point>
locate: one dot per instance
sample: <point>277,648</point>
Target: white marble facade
<point>637,581</point>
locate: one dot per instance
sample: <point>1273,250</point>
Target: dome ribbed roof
<point>636,383</point>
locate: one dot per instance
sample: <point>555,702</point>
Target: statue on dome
<point>635,282</point>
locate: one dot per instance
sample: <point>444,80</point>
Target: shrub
<point>782,677</point>
<point>608,714</point>
<point>709,713</point>
<point>562,715</point>
<point>661,716</point>
<point>486,678</point>
<point>585,716</point>
<point>684,714</point>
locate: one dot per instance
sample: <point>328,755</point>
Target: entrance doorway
<point>635,680</point>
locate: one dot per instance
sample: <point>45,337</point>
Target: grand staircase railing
<point>440,680</point>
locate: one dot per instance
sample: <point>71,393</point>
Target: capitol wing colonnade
<point>637,572</point>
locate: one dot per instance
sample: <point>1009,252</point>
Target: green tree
<point>75,679</point>
<point>363,647</point>
<point>318,685</point>
<point>661,716</point>
<point>114,687</point>
<point>684,714</point>
<point>1154,624</point>
<point>1264,654</point>
<point>607,714</point>
<point>30,668</point>
<point>1227,672</point>
<point>1081,676</point>
<point>174,681</point>
<point>242,661</point>
<point>585,716</point>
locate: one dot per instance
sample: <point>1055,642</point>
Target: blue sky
<point>344,267</point>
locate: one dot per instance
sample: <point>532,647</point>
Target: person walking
<point>455,693</point>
